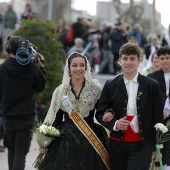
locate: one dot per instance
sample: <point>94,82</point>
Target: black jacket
<point>159,77</point>
<point>149,109</point>
<point>147,48</point>
<point>78,30</point>
<point>118,38</point>
<point>17,86</point>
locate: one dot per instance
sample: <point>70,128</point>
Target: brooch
<point>139,95</point>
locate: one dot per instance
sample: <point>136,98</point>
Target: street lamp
<point>50,9</point>
<point>153,18</point>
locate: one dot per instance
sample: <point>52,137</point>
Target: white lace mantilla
<point>88,98</point>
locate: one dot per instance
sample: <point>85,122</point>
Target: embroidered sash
<point>86,130</point>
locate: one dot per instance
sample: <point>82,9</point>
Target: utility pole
<point>153,18</point>
<point>50,10</point>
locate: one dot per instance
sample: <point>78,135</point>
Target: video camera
<point>24,51</point>
<point>27,53</point>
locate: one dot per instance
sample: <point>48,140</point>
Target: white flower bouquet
<point>161,137</point>
<point>44,136</point>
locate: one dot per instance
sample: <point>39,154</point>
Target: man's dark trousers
<point>18,137</point>
<point>129,155</point>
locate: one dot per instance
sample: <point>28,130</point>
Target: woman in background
<point>155,65</point>
<point>28,13</point>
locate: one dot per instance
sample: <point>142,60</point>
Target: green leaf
<point>168,124</point>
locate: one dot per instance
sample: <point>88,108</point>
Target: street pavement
<point>34,146</point>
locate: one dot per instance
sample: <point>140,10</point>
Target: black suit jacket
<point>159,77</point>
<point>148,101</point>
<point>148,50</point>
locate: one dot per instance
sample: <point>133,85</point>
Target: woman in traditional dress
<point>155,65</point>
<point>83,143</point>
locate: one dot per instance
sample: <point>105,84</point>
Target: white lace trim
<point>88,98</point>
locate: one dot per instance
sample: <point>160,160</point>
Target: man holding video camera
<point>19,79</point>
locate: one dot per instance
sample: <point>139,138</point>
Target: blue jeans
<point>17,139</point>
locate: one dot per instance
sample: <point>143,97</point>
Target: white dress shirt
<point>167,82</point>
<point>167,102</point>
<point>132,88</point>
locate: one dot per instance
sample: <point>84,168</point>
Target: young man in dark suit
<point>163,77</point>
<point>130,106</point>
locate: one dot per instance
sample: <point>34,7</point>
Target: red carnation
<point>21,28</point>
<point>39,101</point>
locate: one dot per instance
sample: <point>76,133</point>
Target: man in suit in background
<point>163,77</point>
<point>134,103</point>
<point>150,48</point>
<point>118,38</point>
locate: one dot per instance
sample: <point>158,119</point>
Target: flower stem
<point>159,156</point>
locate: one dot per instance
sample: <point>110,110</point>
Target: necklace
<point>77,90</point>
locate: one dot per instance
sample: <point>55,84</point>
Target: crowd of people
<point>11,20</point>
<point>102,45</point>
<point>126,108</point>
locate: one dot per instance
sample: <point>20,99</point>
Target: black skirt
<point>72,151</point>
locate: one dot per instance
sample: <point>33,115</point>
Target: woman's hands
<point>108,116</point>
<point>121,124</point>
